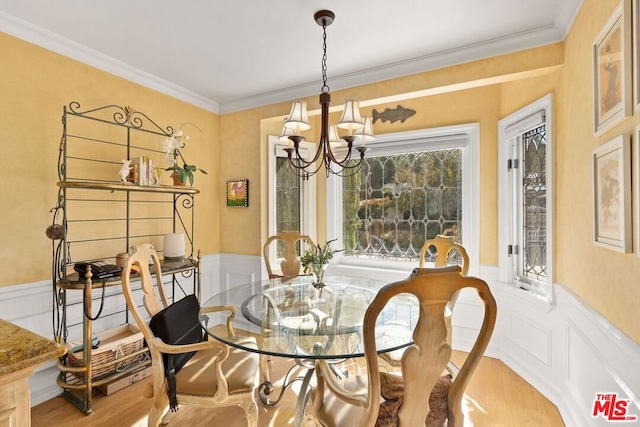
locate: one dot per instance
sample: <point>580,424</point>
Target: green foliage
<point>185,173</point>
<point>321,255</point>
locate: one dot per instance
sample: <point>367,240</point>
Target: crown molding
<point>552,33</point>
<point>566,14</point>
<point>514,43</point>
<point>56,43</point>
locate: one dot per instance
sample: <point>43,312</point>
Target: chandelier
<point>359,129</point>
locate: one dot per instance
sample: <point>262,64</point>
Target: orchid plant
<point>171,147</point>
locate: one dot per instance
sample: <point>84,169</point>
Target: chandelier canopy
<point>359,128</point>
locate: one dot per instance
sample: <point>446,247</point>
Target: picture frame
<point>238,193</point>
<point>612,194</point>
<point>636,186</point>
<point>612,58</point>
<point>635,10</point>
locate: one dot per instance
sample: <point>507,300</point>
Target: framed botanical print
<point>635,10</point>
<point>612,194</point>
<point>612,70</point>
<point>636,186</point>
<point>238,193</point>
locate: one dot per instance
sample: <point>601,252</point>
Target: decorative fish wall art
<point>398,113</point>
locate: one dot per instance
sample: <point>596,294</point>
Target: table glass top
<point>293,319</point>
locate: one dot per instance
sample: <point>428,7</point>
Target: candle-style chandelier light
<point>360,129</point>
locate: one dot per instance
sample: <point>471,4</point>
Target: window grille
<point>399,201</point>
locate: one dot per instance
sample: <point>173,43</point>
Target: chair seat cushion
<point>336,413</point>
<point>198,376</point>
<point>392,391</point>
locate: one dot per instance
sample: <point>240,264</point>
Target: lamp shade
<point>174,246</point>
<point>366,134</point>
<point>351,116</point>
<point>298,120</point>
<point>334,138</point>
<point>285,134</point>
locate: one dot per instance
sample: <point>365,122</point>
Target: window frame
<point>509,208</point>
<point>307,186</point>
<point>467,135</point>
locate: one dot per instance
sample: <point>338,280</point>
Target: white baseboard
<point>566,350</point>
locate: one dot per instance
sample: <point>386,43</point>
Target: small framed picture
<point>238,193</point>
<point>612,70</point>
<point>612,194</point>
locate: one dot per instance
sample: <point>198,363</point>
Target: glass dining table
<point>294,319</point>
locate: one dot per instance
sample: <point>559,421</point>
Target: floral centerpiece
<point>171,147</point>
<point>317,261</point>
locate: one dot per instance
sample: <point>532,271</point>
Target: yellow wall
<point>606,280</point>
<point>462,94</point>
<point>35,84</point>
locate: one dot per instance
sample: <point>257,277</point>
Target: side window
<point>294,197</point>
<point>525,177</point>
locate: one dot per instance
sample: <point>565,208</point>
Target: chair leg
<point>265,368</point>
<point>251,410</point>
<point>159,413</point>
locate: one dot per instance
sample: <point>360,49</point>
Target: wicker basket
<point>114,344</point>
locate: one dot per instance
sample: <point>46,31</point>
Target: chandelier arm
<point>301,171</point>
<point>296,139</point>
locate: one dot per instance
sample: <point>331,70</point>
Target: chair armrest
<point>219,308</point>
<point>186,348</point>
<point>358,398</point>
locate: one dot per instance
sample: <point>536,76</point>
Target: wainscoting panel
<point>531,337</point>
<point>564,349</point>
<point>30,306</point>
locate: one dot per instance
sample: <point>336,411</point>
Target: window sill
<point>533,300</point>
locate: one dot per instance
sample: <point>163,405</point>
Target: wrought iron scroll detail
<point>124,116</point>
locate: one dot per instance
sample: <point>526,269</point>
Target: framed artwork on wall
<point>238,193</point>
<point>636,186</point>
<point>635,10</point>
<point>612,194</point>
<point>612,59</point>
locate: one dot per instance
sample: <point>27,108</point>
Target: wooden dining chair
<point>447,252</point>
<point>420,393</point>
<point>290,265</point>
<point>215,376</point>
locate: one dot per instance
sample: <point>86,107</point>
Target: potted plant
<point>317,261</point>
<point>171,146</point>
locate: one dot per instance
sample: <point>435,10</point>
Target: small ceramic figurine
<point>155,178</point>
<point>124,171</point>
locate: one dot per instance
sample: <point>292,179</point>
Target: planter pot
<point>176,180</point>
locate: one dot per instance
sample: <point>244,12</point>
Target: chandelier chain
<point>325,87</point>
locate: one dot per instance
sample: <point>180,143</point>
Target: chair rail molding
<point>566,350</point>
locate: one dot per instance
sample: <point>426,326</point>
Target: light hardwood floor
<point>496,396</point>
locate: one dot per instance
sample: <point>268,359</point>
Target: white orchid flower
<point>169,161</point>
<point>167,146</point>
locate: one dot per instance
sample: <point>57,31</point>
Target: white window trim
<point>505,131</point>
<point>437,138</point>
<point>307,199</point>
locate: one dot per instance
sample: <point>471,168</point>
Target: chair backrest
<point>290,265</point>
<point>444,246</point>
<point>154,297</point>
<point>424,362</point>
